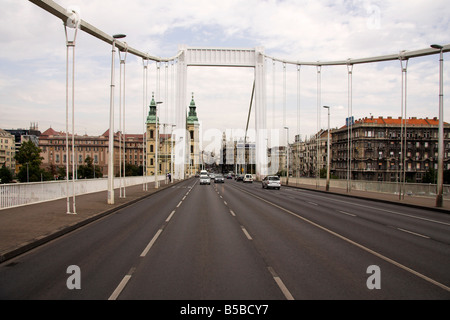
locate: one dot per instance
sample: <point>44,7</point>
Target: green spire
<point>192,116</point>
<point>151,118</point>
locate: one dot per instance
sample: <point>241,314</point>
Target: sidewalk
<point>26,227</point>
<point>413,201</point>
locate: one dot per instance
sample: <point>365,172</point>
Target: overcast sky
<point>33,60</point>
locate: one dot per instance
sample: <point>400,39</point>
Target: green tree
<point>6,175</point>
<point>28,156</point>
<point>87,171</point>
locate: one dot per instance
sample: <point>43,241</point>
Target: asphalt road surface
<point>236,241</point>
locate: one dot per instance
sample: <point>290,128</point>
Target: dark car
<point>219,178</point>
<point>239,177</point>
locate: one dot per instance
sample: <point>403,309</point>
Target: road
<point>236,241</point>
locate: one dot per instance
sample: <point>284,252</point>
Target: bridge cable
<point>144,129</point>
<point>122,144</point>
<point>349,123</point>
<point>403,125</point>
<point>72,22</point>
<point>319,93</point>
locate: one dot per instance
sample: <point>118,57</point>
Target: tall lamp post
<point>287,155</point>
<point>111,125</point>
<point>440,178</point>
<point>157,146</point>
<point>328,150</point>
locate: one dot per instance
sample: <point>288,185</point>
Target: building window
<point>151,134</point>
<point>192,134</point>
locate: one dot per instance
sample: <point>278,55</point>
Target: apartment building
<point>375,149</point>
<point>7,150</point>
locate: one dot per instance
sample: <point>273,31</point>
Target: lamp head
<point>436,46</point>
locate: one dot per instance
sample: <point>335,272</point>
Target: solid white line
<point>170,216</point>
<point>246,233</point>
<point>120,287</point>
<point>379,255</point>
<point>389,211</point>
<point>150,244</point>
<point>414,233</point>
<point>349,214</point>
<point>179,204</point>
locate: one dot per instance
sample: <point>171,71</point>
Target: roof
<point>412,121</point>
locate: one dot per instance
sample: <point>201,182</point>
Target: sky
<point>33,62</point>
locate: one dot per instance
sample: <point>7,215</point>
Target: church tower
<point>192,127</point>
<point>151,138</point>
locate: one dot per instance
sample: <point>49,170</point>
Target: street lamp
<point>156,145</point>
<point>111,125</point>
<point>287,152</point>
<point>328,150</point>
<point>440,179</point>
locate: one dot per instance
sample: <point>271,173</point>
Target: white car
<point>248,178</point>
<point>271,182</point>
<point>205,179</point>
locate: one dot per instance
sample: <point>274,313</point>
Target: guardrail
<point>18,194</point>
<point>411,189</point>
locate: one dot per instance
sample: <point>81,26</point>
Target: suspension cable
<point>403,125</point>
<point>349,124</point>
<point>144,129</point>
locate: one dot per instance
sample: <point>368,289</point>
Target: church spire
<point>192,116</point>
<point>151,118</point>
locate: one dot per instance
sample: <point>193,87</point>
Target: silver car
<point>271,182</point>
<point>205,179</point>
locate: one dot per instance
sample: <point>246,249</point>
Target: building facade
<point>7,150</point>
<point>53,150</point>
<point>375,149</point>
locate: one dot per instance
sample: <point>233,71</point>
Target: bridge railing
<point>411,189</point>
<point>18,194</point>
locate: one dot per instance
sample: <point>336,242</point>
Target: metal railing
<point>19,194</point>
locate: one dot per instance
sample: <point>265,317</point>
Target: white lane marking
<point>150,244</point>
<point>225,203</point>
<point>281,285</point>
<point>347,213</point>
<point>414,233</point>
<point>179,204</point>
<point>313,203</point>
<point>379,255</point>
<point>120,287</point>
<point>232,213</point>
<point>170,216</point>
<point>246,233</point>
<point>183,198</point>
<point>385,210</point>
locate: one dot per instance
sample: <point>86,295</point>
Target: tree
<point>6,175</point>
<point>87,171</point>
<point>28,156</point>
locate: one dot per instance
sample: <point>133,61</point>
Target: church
<point>160,146</point>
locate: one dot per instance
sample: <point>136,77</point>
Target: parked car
<point>204,179</point>
<point>248,178</point>
<point>271,182</point>
<point>218,178</point>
